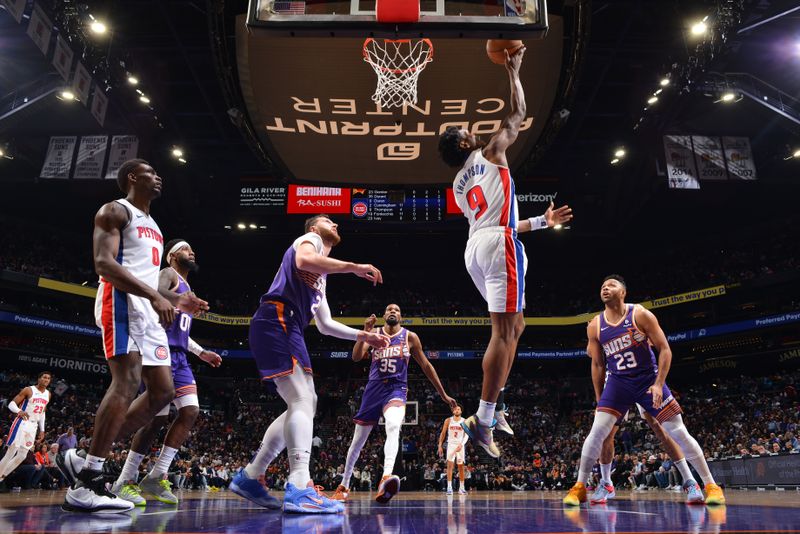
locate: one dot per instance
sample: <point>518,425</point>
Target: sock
<point>163,462</point>
<point>299,474</point>
<point>360,436</point>
<point>700,465</point>
<point>486,413</point>
<point>605,472</point>
<point>271,446</point>
<point>130,471</point>
<point>94,463</point>
<point>394,416</point>
<point>683,468</point>
<point>449,484</point>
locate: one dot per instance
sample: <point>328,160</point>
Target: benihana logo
<point>319,191</point>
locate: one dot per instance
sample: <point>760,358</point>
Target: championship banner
<point>681,169</point>
<point>91,155</point>
<point>741,165</point>
<point>58,161</point>
<point>123,148</point>
<point>16,8</point>
<point>709,158</point>
<point>100,106</point>
<point>62,58</point>
<point>314,199</point>
<point>82,83</point>
<point>40,29</point>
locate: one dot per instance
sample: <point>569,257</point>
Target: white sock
<point>360,435</point>
<point>700,465</point>
<point>683,468</point>
<point>130,471</point>
<point>94,463</point>
<point>605,472</point>
<point>163,462</point>
<point>393,416</point>
<point>601,428</point>
<point>449,484</point>
<point>297,389</point>
<point>271,446</point>
<point>486,412</point>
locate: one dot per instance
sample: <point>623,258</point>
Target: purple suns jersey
<point>178,331</point>
<point>391,362</point>
<point>626,348</point>
<point>302,290</point>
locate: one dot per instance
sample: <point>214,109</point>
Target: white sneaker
<point>502,423</point>
<point>462,491</point>
<point>90,495</point>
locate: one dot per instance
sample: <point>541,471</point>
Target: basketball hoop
<point>398,64</point>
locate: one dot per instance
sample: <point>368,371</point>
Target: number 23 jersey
<point>626,348</point>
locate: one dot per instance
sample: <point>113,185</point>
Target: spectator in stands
<point>67,440</point>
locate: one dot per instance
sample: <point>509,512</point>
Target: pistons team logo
<point>359,209</point>
<point>28,443</point>
<point>162,353</point>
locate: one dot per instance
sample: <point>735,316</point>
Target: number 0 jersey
<point>178,331</point>
<point>391,362</point>
<point>485,193</point>
<point>626,348</point>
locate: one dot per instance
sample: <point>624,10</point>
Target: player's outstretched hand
<point>189,303</point>
<point>370,272</point>
<point>451,401</point>
<point>369,324</point>
<point>211,358</point>
<point>658,395</point>
<point>374,339</point>
<point>165,310</point>
<point>558,215</point>
<point>513,62</point>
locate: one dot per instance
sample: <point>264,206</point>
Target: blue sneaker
<point>693,493</point>
<point>254,490</point>
<point>309,501</point>
<point>605,490</point>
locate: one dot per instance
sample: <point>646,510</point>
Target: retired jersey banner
<point>123,148</point>
<point>709,158</point>
<point>91,155</point>
<point>315,199</point>
<point>99,106</point>
<point>62,58</point>
<point>82,83</point>
<point>681,168</point>
<point>16,8</point>
<point>741,165</point>
<point>40,29</point>
<point>58,161</point>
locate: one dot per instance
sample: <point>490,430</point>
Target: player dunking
<point>619,341</point>
<point>495,258</point>
<point>296,296</point>
<point>130,312</point>
<point>386,394</point>
<point>173,279</point>
<point>29,405</point>
<point>456,446</point>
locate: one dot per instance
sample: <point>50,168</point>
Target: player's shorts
<point>379,395</point>
<point>497,263</point>
<point>128,323</point>
<point>183,378</point>
<point>276,341</point>
<point>623,391</point>
<point>452,456</point>
<point>22,433</point>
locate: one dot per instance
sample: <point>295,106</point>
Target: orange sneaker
<point>714,495</point>
<point>388,488</point>
<point>576,495</point>
<point>340,494</point>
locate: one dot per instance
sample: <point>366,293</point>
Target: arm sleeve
<point>327,326</point>
<point>41,422</point>
<point>194,347</point>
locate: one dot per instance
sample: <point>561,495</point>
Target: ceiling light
<point>664,82</point>
<point>263,227</point>
<point>2,153</point>
<point>619,153</point>
<point>658,92</point>
<point>183,161</point>
<point>144,99</point>
<point>615,161</point>
<point>241,226</point>
<point>557,227</point>
<point>252,226</point>
<point>796,153</point>
<point>652,100</point>
<point>98,27</point>
<point>177,152</point>
<point>133,80</point>
<point>727,97</point>
<point>67,95</point>
<point>227,226</point>
<point>699,28</point>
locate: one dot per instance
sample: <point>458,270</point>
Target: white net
<point>398,64</point>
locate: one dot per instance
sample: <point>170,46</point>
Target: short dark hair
<point>168,247</point>
<point>311,221</point>
<point>40,375</point>
<point>616,277</point>
<point>125,169</point>
<point>449,149</point>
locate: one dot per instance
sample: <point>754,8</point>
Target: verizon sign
<point>315,199</point>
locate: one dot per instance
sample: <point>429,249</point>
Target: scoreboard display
<point>398,205</point>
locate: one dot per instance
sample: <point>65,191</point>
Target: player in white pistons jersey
<point>495,258</point>
<point>456,445</point>
<point>131,313</point>
<point>29,405</point>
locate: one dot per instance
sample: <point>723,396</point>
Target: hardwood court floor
<point>37,511</point>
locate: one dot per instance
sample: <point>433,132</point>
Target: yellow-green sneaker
<point>159,488</point>
<point>129,491</point>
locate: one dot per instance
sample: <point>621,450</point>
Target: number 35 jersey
<point>485,193</point>
<point>391,362</point>
<point>626,348</point>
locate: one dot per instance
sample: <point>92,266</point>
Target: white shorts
<point>129,324</point>
<point>497,263</point>
<point>22,433</point>
<point>452,456</point>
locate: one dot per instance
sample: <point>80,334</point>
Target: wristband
<point>538,223</point>
<point>13,408</point>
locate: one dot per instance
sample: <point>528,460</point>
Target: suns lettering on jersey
<point>625,341</point>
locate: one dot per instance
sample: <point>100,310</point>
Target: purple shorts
<point>276,341</point>
<point>379,395</point>
<point>182,375</point>
<point>621,392</point>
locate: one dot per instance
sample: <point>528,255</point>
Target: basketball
<point>495,48</point>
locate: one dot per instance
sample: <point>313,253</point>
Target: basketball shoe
<point>604,491</point>
<point>340,494</point>
<point>129,491</point>
<point>89,494</point>
<point>388,488</point>
<point>160,488</point>
<point>502,423</point>
<point>693,493</point>
<point>254,490</point>
<point>461,490</point>
<point>576,495</point>
<point>309,500</point>
<point>70,464</point>
<point>482,435</point>
<point>714,495</point>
